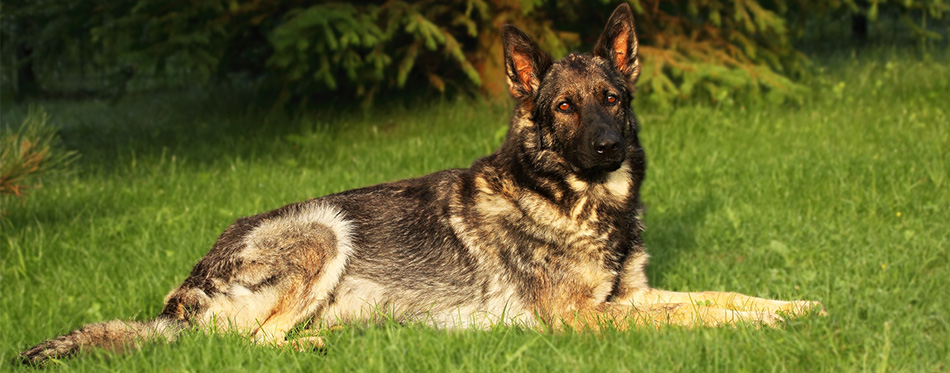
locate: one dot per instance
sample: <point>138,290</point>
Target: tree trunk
<point>26,83</point>
<point>859,22</point>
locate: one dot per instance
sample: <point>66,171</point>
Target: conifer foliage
<point>715,50</point>
<point>29,152</point>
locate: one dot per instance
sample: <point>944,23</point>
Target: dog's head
<point>576,111</point>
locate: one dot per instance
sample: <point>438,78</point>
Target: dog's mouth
<point>593,166</point>
<point>610,166</point>
<point>600,170</point>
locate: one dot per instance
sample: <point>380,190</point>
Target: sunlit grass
<point>842,199</point>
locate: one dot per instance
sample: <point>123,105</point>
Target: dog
<point>545,232</point>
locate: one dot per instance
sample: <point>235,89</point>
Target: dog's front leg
<point>624,315</point>
<point>633,289</point>
<point>684,314</point>
<point>726,300</point>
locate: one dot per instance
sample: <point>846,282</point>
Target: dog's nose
<point>608,145</point>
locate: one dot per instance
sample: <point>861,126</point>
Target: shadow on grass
<point>672,234</point>
<point>195,124</point>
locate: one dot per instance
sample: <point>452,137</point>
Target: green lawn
<point>842,199</point>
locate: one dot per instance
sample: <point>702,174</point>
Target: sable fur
<point>547,229</point>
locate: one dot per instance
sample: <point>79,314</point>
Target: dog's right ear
<point>618,44</point>
<point>525,62</point>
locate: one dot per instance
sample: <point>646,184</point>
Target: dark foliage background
<point>293,52</point>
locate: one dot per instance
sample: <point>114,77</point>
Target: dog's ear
<point>525,62</point>
<point>618,44</point>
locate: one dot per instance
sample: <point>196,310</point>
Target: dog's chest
<point>557,242</point>
<point>562,257</point>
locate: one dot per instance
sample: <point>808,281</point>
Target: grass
<point>842,199</point>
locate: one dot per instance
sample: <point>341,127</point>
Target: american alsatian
<point>546,231</point>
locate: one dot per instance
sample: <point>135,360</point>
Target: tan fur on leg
<point>727,300</point>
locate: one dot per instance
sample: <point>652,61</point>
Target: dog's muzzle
<point>608,151</point>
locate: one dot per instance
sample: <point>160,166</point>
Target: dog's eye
<point>611,98</point>
<point>564,106</point>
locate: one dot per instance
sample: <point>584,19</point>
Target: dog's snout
<point>607,144</point>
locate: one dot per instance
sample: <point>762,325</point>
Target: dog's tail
<point>115,335</point>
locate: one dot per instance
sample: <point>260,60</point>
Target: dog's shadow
<point>671,234</point>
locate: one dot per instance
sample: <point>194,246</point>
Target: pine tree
<point>713,50</point>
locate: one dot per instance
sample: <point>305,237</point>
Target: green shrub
<point>712,50</point>
<point>30,152</point>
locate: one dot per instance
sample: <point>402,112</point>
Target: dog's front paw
<point>769,319</point>
<point>803,308</point>
<point>307,344</point>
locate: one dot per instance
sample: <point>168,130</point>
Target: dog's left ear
<point>618,44</point>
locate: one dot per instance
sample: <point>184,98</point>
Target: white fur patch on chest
<point>618,182</point>
<point>616,186</point>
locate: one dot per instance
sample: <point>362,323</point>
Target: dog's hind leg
<point>268,273</point>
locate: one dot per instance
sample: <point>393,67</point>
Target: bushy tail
<point>116,335</point>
